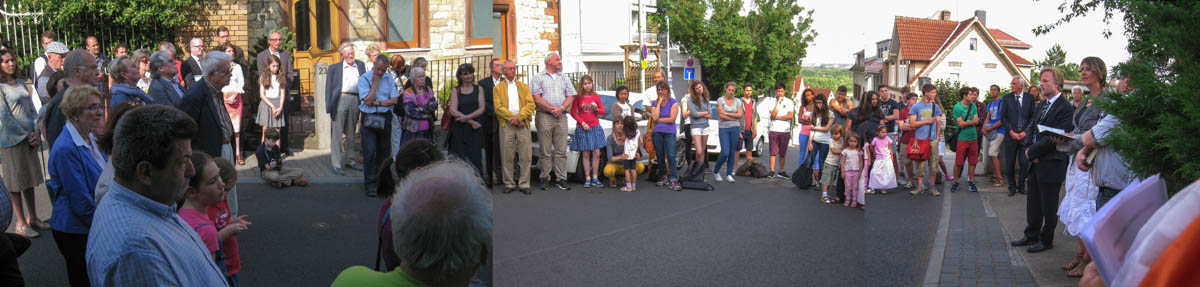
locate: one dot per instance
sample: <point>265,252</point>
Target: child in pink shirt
<point>205,189</point>
<point>228,226</point>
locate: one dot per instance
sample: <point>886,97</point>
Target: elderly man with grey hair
<point>441,226</point>
<point>137,237</point>
<point>552,92</point>
<point>1015,115</point>
<point>205,103</point>
<point>81,70</point>
<point>164,89</point>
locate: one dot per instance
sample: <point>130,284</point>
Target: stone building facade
<point>537,30</point>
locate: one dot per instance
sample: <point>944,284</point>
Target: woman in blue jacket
<point>75,165</point>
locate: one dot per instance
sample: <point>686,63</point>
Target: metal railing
<point>22,26</point>
<point>441,72</point>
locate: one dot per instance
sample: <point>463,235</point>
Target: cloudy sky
<point>843,31</point>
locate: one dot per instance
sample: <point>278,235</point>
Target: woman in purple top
<point>663,114</point>
<point>419,105</point>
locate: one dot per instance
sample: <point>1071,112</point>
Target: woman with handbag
<point>466,105</point>
<point>377,94</point>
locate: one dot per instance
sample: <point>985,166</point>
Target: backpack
<point>802,176</point>
<point>696,185</point>
<point>693,172</point>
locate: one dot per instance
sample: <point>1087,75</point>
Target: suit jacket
<point>501,98</point>
<point>1009,115</point>
<point>285,63</point>
<point>333,84</point>
<point>163,93</point>
<point>1052,164</point>
<point>190,69</point>
<point>489,110</point>
<point>198,103</point>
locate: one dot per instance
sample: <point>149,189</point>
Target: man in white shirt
<point>341,103</point>
<point>780,110</point>
<point>40,63</point>
<point>514,109</point>
<point>651,89</point>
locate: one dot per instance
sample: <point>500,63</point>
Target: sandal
<point>1074,262</point>
<point>1077,272</point>
<point>846,203</point>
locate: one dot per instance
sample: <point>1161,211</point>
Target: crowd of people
<point>142,152</point>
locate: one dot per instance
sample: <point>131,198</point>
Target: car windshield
<point>608,103</point>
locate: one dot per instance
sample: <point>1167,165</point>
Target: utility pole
<point>642,42</point>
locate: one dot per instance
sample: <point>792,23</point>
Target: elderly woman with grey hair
<point>441,226</point>
<point>75,165</point>
<point>142,58</point>
<point>124,71</point>
<point>164,86</point>
<point>419,104</point>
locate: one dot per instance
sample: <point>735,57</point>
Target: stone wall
<point>537,30</point>
<point>210,15</point>
<point>447,29</point>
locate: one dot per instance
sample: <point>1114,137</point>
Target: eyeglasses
<point>275,39</point>
<point>95,108</point>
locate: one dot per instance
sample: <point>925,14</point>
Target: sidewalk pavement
<point>315,163</point>
<point>1045,266</point>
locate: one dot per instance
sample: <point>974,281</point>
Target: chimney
<point>945,15</point>
<point>982,15</point>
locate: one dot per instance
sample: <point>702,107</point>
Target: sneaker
<point>770,174</point>
<point>954,187</point>
<point>729,178</point>
<point>562,184</point>
<point>675,185</point>
<point>917,190</point>
<point>719,179</point>
<point>339,172</point>
<point>971,186</point>
<point>935,192</point>
<point>783,175</point>
<point>870,191</point>
<point>661,182</point>
<point>587,183</point>
<point>545,183</point>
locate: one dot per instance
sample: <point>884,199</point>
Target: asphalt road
<point>299,237</point>
<point>756,232</point>
<point>901,229</point>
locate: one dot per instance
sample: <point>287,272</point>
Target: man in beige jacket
<point>514,111</point>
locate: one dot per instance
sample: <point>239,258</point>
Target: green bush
<point>947,97</point>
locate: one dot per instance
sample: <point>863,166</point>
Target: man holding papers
<point>1048,163</point>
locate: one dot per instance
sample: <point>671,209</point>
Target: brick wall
<point>537,30</point>
<point>210,15</point>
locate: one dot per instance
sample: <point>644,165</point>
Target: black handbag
<point>376,121</point>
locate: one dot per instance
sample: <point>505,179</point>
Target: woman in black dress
<point>465,108</point>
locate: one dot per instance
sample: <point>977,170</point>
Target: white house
<point>925,50</point>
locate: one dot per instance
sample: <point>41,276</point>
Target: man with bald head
<point>81,70</point>
<point>553,93</point>
<point>191,69</point>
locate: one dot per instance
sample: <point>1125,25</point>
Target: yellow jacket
<point>500,97</point>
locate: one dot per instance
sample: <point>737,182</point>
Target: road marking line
<point>933,270</point>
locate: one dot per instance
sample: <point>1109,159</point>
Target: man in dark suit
<point>163,88</point>
<point>204,103</point>
<point>191,69</point>
<point>341,103</point>
<point>488,120</point>
<point>1048,161</point>
<point>285,65</point>
<point>1016,113</point>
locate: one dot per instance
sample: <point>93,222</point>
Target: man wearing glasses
<point>285,65</point>
<point>191,69</point>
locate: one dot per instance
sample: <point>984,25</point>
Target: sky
<point>843,32</point>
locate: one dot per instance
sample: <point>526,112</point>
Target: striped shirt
<point>554,88</point>
<point>138,241</point>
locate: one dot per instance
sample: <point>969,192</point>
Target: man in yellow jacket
<point>514,111</point>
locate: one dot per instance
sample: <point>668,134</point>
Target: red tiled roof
<point>1007,40</point>
<point>1017,59</point>
<point>921,38</point>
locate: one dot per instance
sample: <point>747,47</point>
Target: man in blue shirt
<point>375,103</point>
<point>993,132</point>
<point>137,238</point>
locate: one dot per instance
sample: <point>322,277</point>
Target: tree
<point>149,21</point>
<point>1057,58</point>
<point>762,47</point>
<point>1161,115</point>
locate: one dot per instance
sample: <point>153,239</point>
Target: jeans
<point>375,146</point>
<point>664,145</point>
<point>819,152</point>
<point>803,140</point>
<point>729,142</point>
